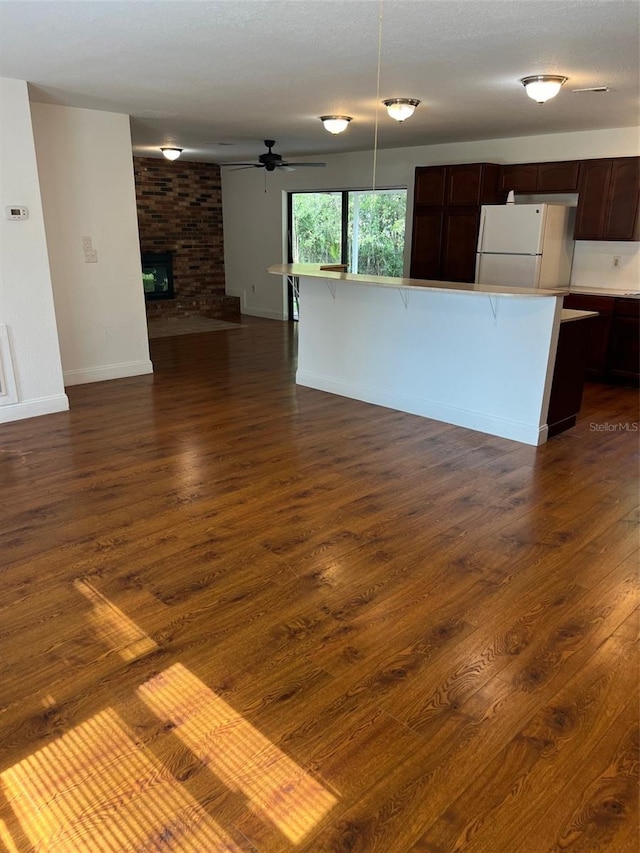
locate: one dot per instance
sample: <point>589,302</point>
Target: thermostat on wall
<point>15,212</point>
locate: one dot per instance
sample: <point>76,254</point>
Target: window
<point>363,229</point>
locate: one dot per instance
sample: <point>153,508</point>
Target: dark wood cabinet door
<point>426,243</point>
<point>458,261</point>
<point>464,185</point>
<point>599,338</point>
<point>598,330</point>
<point>624,347</point>
<point>593,188</point>
<point>559,177</point>
<point>522,178</point>
<point>568,374</point>
<point>624,352</point>
<point>429,186</point>
<point>621,220</point>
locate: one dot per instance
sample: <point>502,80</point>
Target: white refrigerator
<point>525,245</point>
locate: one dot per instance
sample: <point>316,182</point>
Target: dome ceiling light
<point>335,124</point>
<point>171,153</point>
<point>401,109</point>
<point>542,87</point>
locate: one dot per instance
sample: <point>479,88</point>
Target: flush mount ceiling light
<point>171,153</point>
<point>401,109</point>
<point>541,87</point>
<point>335,124</point>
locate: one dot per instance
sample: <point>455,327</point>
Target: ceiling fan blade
<point>295,165</point>
<point>257,165</point>
<point>241,168</point>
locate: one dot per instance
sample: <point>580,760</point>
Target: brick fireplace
<point>180,212</point>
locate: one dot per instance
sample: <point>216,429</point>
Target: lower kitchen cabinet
<point>624,347</point>
<point>569,372</point>
<point>613,353</point>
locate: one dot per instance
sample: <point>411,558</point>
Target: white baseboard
<point>108,371</point>
<point>479,421</point>
<point>33,408</point>
<point>268,315</point>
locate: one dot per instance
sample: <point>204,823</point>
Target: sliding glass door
<point>360,228</point>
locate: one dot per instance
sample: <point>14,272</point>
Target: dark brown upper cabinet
<point>471,184</point>
<point>429,186</point>
<point>519,177</point>
<point>608,200</point>
<point>446,218</point>
<point>558,177</point>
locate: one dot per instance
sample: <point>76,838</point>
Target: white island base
<point>470,355</point>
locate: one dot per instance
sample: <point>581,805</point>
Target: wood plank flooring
<point>241,615</point>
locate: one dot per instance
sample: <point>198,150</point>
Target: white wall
<point>253,233</point>
<point>87,184</point>
<point>593,265</point>
<point>30,343</point>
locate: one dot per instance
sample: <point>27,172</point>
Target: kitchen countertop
<point>314,271</point>
<point>569,314</point>
<point>604,291</point>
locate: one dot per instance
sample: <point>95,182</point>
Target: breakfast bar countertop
<point>569,314</point>
<point>316,271</point>
<point>605,291</point>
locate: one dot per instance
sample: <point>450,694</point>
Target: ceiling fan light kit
<point>171,153</point>
<point>335,124</point>
<point>401,109</point>
<point>542,87</point>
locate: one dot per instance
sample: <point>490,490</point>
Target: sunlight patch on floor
<point>244,759</point>
<point>112,626</point>
<point>95,789</point>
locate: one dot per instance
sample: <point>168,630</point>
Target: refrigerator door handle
<point>513,254</point>
<point>483,216</point>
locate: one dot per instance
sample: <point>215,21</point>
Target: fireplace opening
<point>157,275</point>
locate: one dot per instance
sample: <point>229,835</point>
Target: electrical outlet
<point>91,257</point>
<point>253,288</point>
<point>615,262</point>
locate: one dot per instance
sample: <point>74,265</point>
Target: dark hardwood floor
<point>241,615</point>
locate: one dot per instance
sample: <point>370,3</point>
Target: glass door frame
<point>344,229</point>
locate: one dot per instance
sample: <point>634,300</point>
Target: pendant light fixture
<point>171,153</point>
<point>335,124</point>
<point>401,109</point>
<point>542,87</point>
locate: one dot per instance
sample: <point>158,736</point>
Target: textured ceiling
<point>197,74</point>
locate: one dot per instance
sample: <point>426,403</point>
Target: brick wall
<point>180,210</point>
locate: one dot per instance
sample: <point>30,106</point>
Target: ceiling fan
<point>270,161</point>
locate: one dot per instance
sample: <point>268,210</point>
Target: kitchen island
<point>478,356</point>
